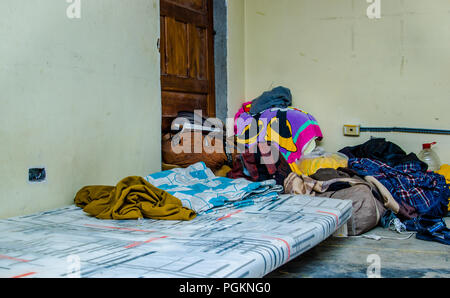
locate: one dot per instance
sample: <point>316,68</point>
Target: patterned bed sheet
<point>243,243</point>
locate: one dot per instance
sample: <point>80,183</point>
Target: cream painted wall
<point>80,96</point>
<point>236,55</point>
<point>345,68</point>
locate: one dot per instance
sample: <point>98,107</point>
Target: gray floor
<point>348,258</point>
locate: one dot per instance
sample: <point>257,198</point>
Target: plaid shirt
<point>427,192</point>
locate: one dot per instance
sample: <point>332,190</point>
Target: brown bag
<point>195,147</point>
<point>367,209</point>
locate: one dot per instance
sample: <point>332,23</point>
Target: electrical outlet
<point>351,130</point>
<point>37,175</point>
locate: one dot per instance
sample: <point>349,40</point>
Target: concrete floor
<point>348,258</point>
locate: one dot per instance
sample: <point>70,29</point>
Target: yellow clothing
<point>131,198</point>
<point>309,166</point>
<point>445,171</point>
<point>223,171</point>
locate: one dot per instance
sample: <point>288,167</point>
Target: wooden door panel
<point>177,48</point>
<point>172,83</point>
<point>190,102</point>
<point>178,102</point>
<point>198,52</point>
<point>186,54</point>
<point>196,5</point>
<point>175,100</point>
<point>181,13</point>
<point>187,58</point>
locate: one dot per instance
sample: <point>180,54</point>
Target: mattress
<point>249,242</point>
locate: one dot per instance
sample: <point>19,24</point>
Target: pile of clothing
<point>392,187</point>
<point>407,183</point>
<point>403,175</point>
<point>177,194</point>
<point>278,141</point>
<point>274,151</point>
<point>271,136</point>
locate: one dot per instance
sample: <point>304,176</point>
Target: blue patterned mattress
<point>249,242</point>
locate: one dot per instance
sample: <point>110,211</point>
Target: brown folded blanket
<point>131,198</point>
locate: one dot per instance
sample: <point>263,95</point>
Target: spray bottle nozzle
<point>428,145</point>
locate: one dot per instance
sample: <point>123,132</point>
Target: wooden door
<point>187,58</point>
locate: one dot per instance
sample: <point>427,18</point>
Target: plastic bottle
<point>428,156</point>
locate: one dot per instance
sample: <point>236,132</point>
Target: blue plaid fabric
<point>200,190</point>
<point>427,192</point>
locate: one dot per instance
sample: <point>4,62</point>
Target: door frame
<point>220,12</point>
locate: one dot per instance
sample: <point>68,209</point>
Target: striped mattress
<point>243,243</point>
